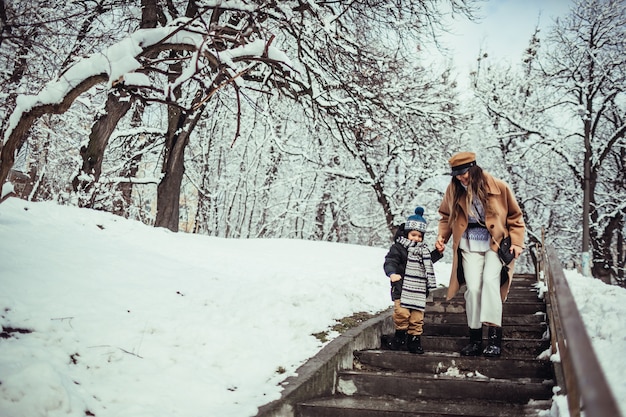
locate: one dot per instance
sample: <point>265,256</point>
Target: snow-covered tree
<point>522,126</point>
<point>587,67</point>
<point>189,53</point>
<point>559,120</point>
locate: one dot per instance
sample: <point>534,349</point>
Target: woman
<point>478,211</point>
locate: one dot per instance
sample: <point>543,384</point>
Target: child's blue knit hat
<point>416,221</point>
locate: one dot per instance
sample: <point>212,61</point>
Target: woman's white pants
<point>483,303</point>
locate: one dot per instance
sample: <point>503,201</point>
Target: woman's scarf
<point>419,275</point>
<point>476,237</point>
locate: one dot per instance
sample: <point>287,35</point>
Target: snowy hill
<point>108,317</point>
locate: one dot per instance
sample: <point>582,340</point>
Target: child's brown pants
<point>410,320</point>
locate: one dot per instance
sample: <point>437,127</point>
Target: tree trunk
<point>320,213</point>
<point>377,184</point>
<point>180,127</point>
<point>621,259</point>
<point>603,265</point>
<point>168,190</point>
<point>101,131</point>
<point>19,134</point>
<point>19,68</point>
<point>180,124</point>
<point>586,238</point>
<point>117,105</point>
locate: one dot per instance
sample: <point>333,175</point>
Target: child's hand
<point>395,277</point>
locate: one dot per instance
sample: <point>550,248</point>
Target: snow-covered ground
<point>129,320</point>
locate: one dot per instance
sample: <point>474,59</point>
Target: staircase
<point>443,383</point>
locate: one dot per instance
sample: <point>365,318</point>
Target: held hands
<point>439,244</point>
<point>395,277</point>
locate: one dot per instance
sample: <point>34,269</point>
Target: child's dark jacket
<point>396,259</point>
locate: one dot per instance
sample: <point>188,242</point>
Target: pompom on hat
<point>461,162</point>
<point>416,221</point>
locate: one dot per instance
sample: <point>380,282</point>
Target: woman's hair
<point>476,187</point>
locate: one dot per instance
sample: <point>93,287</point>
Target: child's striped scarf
<point>418,276</point>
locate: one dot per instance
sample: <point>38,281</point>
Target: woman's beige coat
<point>502,217</point>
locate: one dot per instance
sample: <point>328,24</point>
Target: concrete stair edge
<point>317,376</point>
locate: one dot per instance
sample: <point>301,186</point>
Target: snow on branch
<point>126,63</point>
<point>120,60</point>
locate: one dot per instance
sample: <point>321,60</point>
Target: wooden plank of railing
<point>586,386</point>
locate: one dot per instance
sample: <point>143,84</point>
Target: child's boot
<point>398,342</point>
<point>414,343</point>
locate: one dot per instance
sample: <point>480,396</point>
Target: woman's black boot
<point>414,344</point>
<point>494,346</point>
<point>398,342</point>
<point>475,346</point>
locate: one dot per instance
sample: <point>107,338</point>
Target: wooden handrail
<point>585,384</point>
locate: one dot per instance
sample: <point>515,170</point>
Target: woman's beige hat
<point>461,162</point>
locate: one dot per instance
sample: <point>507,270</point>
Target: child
<point>409,265</point>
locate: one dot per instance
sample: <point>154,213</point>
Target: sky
<point>135,321</point>
<point>503,29</point>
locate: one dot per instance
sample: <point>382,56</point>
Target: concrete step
<point>457,305</point>
<point>385,383</point>
<point>418,386</point>
<point>461,318</point>
<point>517,289</point>
<point>528,278</point>
<point>343,406</point>
<point>436,363</point>
<point>513,297</point>
<point>511,347</point>
<point>520,331</point>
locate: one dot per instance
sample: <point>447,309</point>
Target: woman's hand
<point>439,244</point>
<point>517,250</point>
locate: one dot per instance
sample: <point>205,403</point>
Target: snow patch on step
<point>346,387</point>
